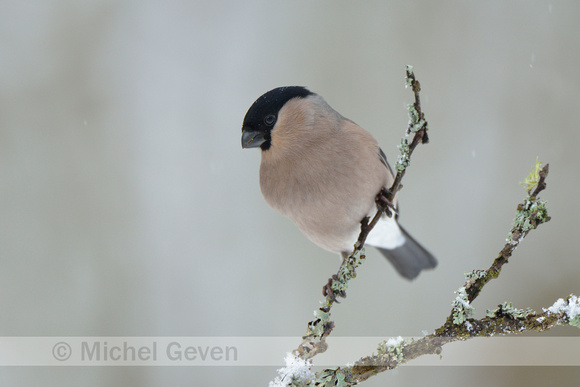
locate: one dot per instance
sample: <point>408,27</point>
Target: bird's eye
<point>270,119</point>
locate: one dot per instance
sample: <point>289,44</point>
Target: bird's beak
<point>252,138</point>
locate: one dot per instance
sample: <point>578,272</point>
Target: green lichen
<point>575,322</point>
<point>347,270</point>
<point>474,275</point>
<point>507,310</point>
<point>404,157</point>
<point>418,126</point>
<point>416,123</point>
<point>462,309</point>
<point>410,78</point>
<point>533,178</point>
<point>413,114</point>
<point>530,214</point>
<point>394,348</point>
<point>317,328</point>
<point>332,377</point>
<point>314,329</point>
<point>321,314</point>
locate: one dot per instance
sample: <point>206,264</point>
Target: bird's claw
<point>384,204</point>
<point>331,294</point>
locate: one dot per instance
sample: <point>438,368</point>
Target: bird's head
<point>262,116</point>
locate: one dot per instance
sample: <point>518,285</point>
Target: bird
<point>324,172</point>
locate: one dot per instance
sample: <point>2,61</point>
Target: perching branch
<point>417,125</point>
<point>460,325</point>
<point>314,341</point>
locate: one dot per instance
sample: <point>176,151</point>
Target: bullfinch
<point>324,172</point>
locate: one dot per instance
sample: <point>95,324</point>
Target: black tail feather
<point>410,258</point>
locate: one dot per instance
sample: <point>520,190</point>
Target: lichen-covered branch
<point>529,215</point>
<point>503,320</point>
<point>417,125</point>
<point>460,325</point>
<point>314,341</point>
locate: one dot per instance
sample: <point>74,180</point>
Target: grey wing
<point>383,158</point>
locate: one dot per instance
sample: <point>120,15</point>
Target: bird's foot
<point>328,292</point>
<point>384,204</point>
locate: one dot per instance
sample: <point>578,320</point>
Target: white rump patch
<point>386,234</point>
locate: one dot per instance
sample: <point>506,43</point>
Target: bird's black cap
<point>262,115</point>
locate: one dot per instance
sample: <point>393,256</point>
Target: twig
<point>530,214</point>
<point>314,341</point>
<point>417,125</point>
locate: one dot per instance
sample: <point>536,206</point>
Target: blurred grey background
<point>128,207</point>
